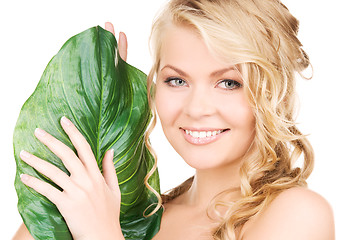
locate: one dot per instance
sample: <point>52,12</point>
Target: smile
<point>203,136</point>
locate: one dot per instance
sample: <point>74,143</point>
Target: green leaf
<point>105,98</point>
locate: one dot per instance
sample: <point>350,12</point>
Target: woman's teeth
<point>203,134</point>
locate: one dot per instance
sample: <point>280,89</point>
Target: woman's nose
<point>199,103</point>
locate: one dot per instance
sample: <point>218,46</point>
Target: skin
<point>200,100</point>
<point>189,97</point>
<point>206,95</point>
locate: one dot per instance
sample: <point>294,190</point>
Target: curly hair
<point>259,38</point>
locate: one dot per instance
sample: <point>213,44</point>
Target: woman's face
<point>201,103</point>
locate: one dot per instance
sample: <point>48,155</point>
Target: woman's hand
<point>89,201</point>
<point>122,43</point>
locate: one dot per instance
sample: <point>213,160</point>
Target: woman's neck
<point>208,184</point>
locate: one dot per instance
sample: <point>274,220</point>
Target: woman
<point>225,96</point>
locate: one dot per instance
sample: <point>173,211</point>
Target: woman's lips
<point>202,137</point>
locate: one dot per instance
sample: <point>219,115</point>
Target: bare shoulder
<point>296,213</point>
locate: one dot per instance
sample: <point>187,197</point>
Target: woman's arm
<point>22,234</point>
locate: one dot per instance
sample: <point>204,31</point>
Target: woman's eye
<point>229,84</point>
<point>175,82</point>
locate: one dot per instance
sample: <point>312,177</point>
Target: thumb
<point>109,172</point>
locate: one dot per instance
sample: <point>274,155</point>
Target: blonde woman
<point>224,73</point>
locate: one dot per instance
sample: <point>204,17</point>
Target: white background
<point>33,31</point>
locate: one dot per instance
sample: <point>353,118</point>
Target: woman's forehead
<point>182,45</point>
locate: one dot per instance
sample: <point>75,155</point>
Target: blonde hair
<point>258,37</point>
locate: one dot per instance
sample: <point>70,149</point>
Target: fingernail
<point>65,121</point>
<point>39,132</point>
<point>111,152</point>
<point>24,155</point>
<point>24,177</point>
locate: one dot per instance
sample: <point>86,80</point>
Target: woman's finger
<point>68,157</point>
<point>109,172</point>
<point>45,189</point>
<point>110,27</point>
<point>122,46</point>
<point>83,148</point>
<point>122,43</point>
<point>59,177</point>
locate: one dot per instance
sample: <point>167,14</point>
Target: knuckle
<point>81,194</point>
<point>77,134</point>
<point>49,140</point>
<point>96,183</point>
<point>87,146</point>
<point>70,154</point>
<point>87,184</point>
<point>53,197</point>
<point>80,141</point>
<point>45,189</point>
<point>77,195</point>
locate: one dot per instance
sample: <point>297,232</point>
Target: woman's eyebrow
<point>213,74</point>
<point>221,71</point>
<point>182,73</point>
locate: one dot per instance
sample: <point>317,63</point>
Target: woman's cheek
<point>168,104</point>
